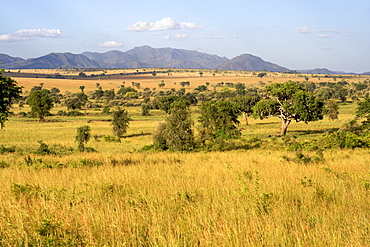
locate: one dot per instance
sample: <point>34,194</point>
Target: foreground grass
<point>119,196</point>
<point>245,198</point>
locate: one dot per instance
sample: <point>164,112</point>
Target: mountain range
<point>148,57</point>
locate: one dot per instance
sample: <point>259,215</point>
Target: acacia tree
<point>120,122</point>
<point>9,90</point>
<point>218,119</point>
<point>246,104</point>
<point>41,103</point>
<point>289,101</point>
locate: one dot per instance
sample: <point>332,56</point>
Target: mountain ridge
<point>148,57</point>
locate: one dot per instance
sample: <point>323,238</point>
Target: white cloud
<point>26,34</point>
<point>332,31</point>
<point>111,44</point>
<point>38,33</point>
<point>189,25</point>
<point>180,36</point>
<point>303,30</point>
<point>10,37</point>
<point>236,36</point>
<point>323,36</point>
<point>167,37</point>
<point>165,24</point>
<point>325,48</point>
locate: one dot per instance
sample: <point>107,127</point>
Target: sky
<point>297,34</point>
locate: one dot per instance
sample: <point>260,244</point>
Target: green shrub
<point>3,164</point>
<point>341,139</point>
<point>109,138</point>
<point>73,113</point>
<point>4,149</point>
<point>83,136</point>
<point>43,148</point>
<point>106,110</point>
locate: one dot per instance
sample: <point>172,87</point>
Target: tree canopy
<point>120,122</point>
<point>289,101</point>
<point>246,104</point>
<point>9,90</point>
<point>41,103</point>
<point>176,133</point>
<point>363,110</point>
<point>218,120</point>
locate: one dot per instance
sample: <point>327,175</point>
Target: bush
<point>70,113</point>
<point>338,139</point>
<point>159,137</point>
<point>106,110</point>
<point>4,149</point>
<point>3,164</point>
<point>27,114</point>
<point>75,114</point>
<point>43,148</point>
<point>82,137</point>
<point>342,139</point>
<point>109,138</point>
<point>176,134</point>
<point>145,109</point>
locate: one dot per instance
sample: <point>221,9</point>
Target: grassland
<point>121,196</point>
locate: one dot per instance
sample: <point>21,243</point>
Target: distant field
<point>121,195</point>
<point>172,80</point>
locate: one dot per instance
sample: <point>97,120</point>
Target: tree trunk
<point>284,126</point>
<point>245,118</point>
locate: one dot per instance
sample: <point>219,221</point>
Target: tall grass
<point>121,196</point>
<point>180,199</point>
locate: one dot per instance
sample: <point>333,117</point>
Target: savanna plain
<point>122,194</point>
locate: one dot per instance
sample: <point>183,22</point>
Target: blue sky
<point>297,34</point>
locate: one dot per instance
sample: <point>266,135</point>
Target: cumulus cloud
<point>323,36</point>
<point>10,37</point>
<point>303,30</point>
<point>111,44</point>
<point>26,34</point>
<point>180,36</point>
<point>165,24</point>
<point>38,33</point>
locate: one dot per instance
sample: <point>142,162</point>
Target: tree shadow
<point>140,134</point>
<point>310,132</point>
<point>266,123</point>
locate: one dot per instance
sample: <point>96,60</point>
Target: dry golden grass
<point>171,80</point>
<point>119,196</point>
<point>245,198</point>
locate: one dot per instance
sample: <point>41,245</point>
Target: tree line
<point>219,110</point>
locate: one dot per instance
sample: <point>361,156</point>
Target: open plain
<point>125,195</point>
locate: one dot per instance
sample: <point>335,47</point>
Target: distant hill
<point>148,57</point>
<point>250,63</point>
<point>54,61</point>
<point>6,59</point>
<point>322,71</point>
